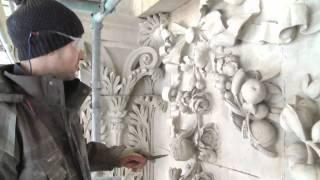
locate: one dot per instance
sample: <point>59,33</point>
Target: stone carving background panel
<point>232,157</point>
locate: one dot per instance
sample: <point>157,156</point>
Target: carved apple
<point>262,111</point>
<point>253,91</point>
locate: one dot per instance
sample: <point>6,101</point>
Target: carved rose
<point>185,101</point>
<point>199,102</point>
<point>203,176</point>
<point>208,155</point>
<point>194,101</point>
<point>174,173</point>
<point>209,136</point>
<point>228,65</point>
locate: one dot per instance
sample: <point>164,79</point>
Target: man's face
<point>65,62</point>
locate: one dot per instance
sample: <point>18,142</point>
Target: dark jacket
<point>41,136</point>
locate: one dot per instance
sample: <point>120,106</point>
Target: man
<point>40,133</point>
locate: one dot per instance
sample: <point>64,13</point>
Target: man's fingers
<point>133,161</point>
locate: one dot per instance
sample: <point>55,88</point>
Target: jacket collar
<point>50,89</point>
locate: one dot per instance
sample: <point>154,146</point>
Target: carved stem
<point>310,145</point>
<point>198,132</point>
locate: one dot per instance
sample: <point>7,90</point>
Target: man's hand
<point>132,159</point>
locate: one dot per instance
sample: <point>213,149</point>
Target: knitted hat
<point>30,24</point>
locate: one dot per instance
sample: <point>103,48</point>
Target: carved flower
<point>209,137</point>
<point>150,30</point>
<point>175,173</point>
<point>231,65</point>
<point>203,176</point>
<point>208,155</point>
<point>194,101</point>
<point>185,101</point>
<point>228,65</point>
<point>199,102</point>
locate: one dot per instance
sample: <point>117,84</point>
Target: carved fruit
<point>237,81</point>
<point>182,149</point>
<point>262,111</point>
<point>305,172</point>
<point>253,91</point>
<point>264,133</point>
<point>296,154</point>
<point>315,134</point>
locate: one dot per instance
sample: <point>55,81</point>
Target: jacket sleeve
<point>8,166</point>
<point>103,158</point>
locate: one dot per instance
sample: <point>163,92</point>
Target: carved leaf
<point>290,117</point>
<point>138,126</point>
<point>274,94</point>
<point>111,84</point>
<point>234,108</point>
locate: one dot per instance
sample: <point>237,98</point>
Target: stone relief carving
<point>193,142</point>
<point>241,21</point>
<point>302,120</point>
<point>251,98</point>
<point>154,33</point>
<point>248,95</point>
<point>127,120</point>
<point>140,123</point>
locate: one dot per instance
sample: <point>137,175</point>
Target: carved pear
<point>253,91</point>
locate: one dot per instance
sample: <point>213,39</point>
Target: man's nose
<point>81,55</point>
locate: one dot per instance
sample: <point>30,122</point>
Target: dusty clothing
<point>41,134</point>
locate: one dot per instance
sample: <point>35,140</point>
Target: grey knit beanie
<point>31,25</point>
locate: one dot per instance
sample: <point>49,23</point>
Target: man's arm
<point>103,158</point>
